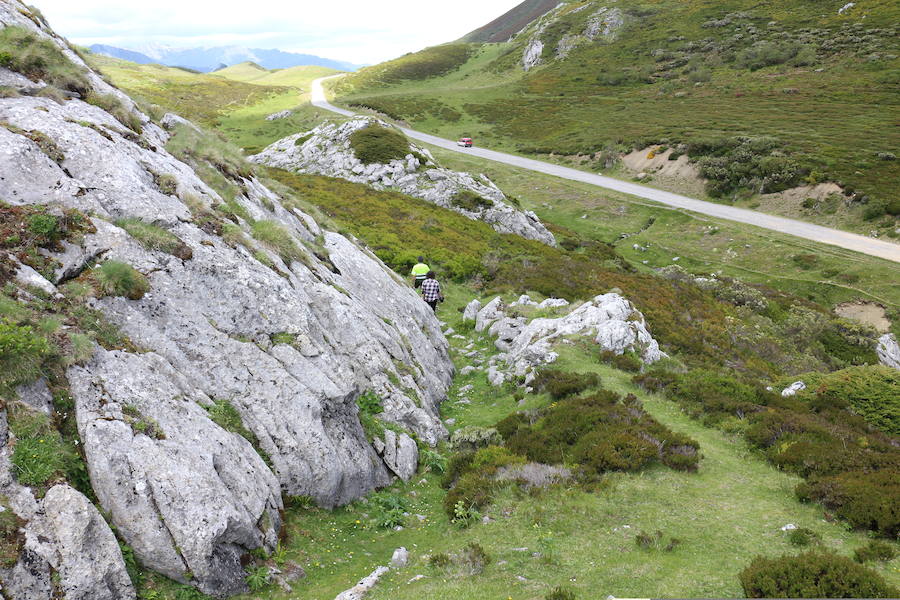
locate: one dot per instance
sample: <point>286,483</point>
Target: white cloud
<point>360,31</point>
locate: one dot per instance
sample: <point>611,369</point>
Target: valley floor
<point>728,512</point>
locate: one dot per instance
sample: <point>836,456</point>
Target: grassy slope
<point>298,77</point>
<point>236,108</point>
<point>728,512</point>
<point>834,121</point>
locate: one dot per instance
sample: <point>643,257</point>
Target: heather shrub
<point>803,536</point>
<point>377,144</point>
<point>813,575</point>
<point>469,200</point>
<point>562,384</point>
<point>602,432</point>
<point>627,361</point>
<point>876,550</point>
<point>864,500</point>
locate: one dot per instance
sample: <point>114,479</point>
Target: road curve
<point>809,231</point>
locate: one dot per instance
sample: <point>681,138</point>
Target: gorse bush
<point>766,53</point>
<point>36,58</point>
<point>873,392</point>
<point>731,164</point>
<point>115,278</point>
<point>813,575</point>
<point>377,144</point>
<point>803,536</point>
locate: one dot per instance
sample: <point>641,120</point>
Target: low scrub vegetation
<point>275,236</point>
<point>813,575</point>
<point>377,144</point>
<point>431,62</point>
<point>470,201</point>
<point>849,467</point>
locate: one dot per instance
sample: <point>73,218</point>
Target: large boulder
<point>326,150</point>
<point>63,537</point>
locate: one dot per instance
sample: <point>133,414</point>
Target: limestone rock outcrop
<point>284,343</point>
<point>326,150</point>
<point>888,350</point>
<point>612,321</point>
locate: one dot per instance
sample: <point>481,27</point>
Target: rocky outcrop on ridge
<point>888,350</point>
<point>612,321</point>
<point>326,150</point>
<point>286,343</point>
<point>594,24</point>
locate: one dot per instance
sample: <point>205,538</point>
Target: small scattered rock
<point>400,558</point>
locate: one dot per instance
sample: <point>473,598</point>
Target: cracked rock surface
<point>286,345</point>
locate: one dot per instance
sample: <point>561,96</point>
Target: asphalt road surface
<point>817,233</point>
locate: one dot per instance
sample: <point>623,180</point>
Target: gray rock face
<point>531,57</point>
<point>74,539</point>
<point>280,115</point>
<point>400,454</point>
<point>327,151</point>
<point>605,23</point>
<point>471,311</point>
<point>63,534</point>
<point>287,346</point>
<point>888,351</point>
<point>491,312</point>
<point>400,558</point>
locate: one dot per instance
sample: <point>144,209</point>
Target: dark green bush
<point>602,432</point>
<point>872,392</point>
<point>377,144</point>
<point>876,550</point>
<point>865,500</point>
<point>813,575</point>
<point>627,361</point>
<point>562,384</point>
<point>803,536</point>
<point>469,200</point>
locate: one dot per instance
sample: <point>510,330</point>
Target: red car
<point>465,142</point>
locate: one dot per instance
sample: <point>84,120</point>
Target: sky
<point>358,31</point>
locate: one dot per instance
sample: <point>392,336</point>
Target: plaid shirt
<point>431,290</point>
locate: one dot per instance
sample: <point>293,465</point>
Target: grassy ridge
<point>824,85</point>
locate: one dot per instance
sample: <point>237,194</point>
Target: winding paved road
<point>817,233</point>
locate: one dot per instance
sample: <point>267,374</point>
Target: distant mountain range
<point>211,59</point>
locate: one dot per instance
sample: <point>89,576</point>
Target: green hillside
<point>299,77</point>
<point>761,97</point>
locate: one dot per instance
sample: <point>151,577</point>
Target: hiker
<point>431,290</point>
<point>419,271</point>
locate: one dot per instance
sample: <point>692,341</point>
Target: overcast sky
<point>359,31</point>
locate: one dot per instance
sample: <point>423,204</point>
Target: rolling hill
<point>250,72</point>
<point>760,98</point>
